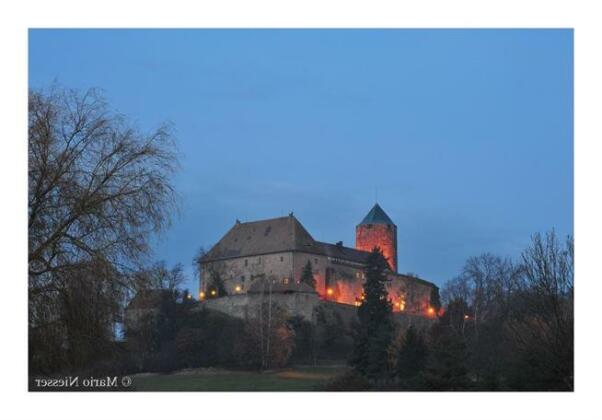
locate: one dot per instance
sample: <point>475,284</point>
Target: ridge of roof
<point>262,237</point>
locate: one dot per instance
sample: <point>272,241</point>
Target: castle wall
<point>246,306</point>
<point>345,280</point>
<point>336,281</point>
<point>245,271</point>
<point>303,304</point>
<point>409,295</point>
<point>403,320</point>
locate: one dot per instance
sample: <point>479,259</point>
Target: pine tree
<point>373,335</point>
<point>307,275</point>
<point>412,354</point>
<point>446,365</point>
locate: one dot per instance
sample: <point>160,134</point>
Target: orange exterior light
<point>466,317</point>
<point>213,293</point>
<point>237,288</point>
<point>329,291</point>
<point>202,295</point>
<point>431,310</point>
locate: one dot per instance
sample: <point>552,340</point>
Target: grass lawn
<point>293,379</point>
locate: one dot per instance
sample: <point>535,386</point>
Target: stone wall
<point>409,295</point>
<point>303,304</point>
<point>335,280</point>
<point>245,271</point>
<point>344,280</point>
<point>247,305</point>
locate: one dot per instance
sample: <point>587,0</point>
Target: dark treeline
<point>507,325</point>
<point>179,336</point>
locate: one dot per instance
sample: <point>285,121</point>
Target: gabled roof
<point>342,252</point>
<point>263,237</point>
<point>377,216</point>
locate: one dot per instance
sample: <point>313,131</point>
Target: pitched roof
<point>343,252</point>
<point>262,237</point>
<point>377,216</point>
<point>282,234</point>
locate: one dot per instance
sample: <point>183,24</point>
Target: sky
<point>465,137</point>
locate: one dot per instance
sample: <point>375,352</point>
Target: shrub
<point>348,381</point>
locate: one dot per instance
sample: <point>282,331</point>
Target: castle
<point>269,255</point>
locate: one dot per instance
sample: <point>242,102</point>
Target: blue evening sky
<point>466,134</point>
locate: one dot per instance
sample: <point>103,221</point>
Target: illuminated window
<point>285,280</point>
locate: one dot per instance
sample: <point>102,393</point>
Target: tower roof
<point>377,216</point>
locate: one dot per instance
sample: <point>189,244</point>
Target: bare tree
<point>485,284</point>
<point>98,188</point>
<point>541,326</point>
<point>158,277</point>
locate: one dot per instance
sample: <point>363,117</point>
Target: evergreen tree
<point>446,368</point>
<point>412,354</point>
<point>307,275</point>
<point>373,334</point>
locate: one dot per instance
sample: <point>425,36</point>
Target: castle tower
<point>377,229</point>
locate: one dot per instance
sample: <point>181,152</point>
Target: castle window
<point>285,280</point>
<point>281,259</point>
<point>315,260</point>
<point>259,260</point>
<point>246,263</point>
<point>242,279</point>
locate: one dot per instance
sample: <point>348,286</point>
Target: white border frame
<point>18,403</point>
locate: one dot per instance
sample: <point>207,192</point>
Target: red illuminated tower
<point>377,229</point>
